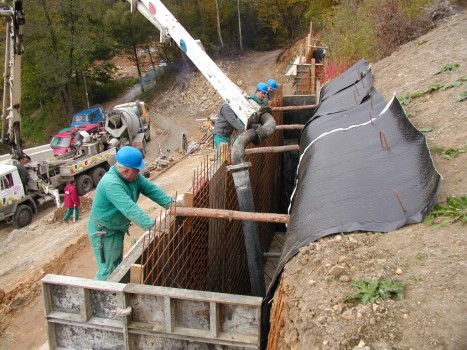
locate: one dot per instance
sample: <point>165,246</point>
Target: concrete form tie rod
<point>229,214</point>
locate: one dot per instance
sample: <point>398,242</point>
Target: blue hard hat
<point>130,157</point>
<point>262,87</point>
<point>272,84</point>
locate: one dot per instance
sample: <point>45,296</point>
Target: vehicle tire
<point>83,184</point>
<point>143,151</point>
<point>96,175</point>
<point>23,216</point>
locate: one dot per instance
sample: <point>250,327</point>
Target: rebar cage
<point>209,254</point>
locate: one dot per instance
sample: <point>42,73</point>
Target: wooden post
<point>272,149</point>
<point>136,273</point>
<point>293,108</point>
<point>289,127</point>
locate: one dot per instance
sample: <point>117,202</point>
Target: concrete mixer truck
<point>128,124</point>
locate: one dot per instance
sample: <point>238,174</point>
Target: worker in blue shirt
<point>114,208</point>
<point>227,121</point>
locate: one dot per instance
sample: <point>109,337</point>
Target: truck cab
<point>92,115</point>
<point>66,140</point>
<point>16,206</point>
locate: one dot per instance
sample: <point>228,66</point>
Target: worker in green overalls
<point>260,94</point>
<point>114,208</point>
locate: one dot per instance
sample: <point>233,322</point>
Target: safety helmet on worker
<point>263,87</point>
<point>272,84</point>
<point>130,157</point>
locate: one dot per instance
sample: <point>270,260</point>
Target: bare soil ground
<point>430,263</point>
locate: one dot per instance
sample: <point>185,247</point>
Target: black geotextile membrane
<point>357,174</point>
<point>359,72</point>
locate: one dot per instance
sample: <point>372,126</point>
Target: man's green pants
<point>113,252</point>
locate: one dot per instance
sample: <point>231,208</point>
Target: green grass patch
<point>462,96</point>
<point>450,67</point>
<point>407,98</point>
<point>445,214</point>
<point>370,290</point>
<point>448,154</point>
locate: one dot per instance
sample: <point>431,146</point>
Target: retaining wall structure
<point>186,285</point>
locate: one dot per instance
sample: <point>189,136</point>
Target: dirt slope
<point>431,264</point>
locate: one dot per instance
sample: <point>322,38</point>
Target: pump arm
<point>14,18</point>
<point>169,27</point>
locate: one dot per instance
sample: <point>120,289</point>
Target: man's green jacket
<point>114,205</point>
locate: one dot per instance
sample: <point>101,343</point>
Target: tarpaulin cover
<point>363,167</point>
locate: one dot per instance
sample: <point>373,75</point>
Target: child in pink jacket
<point>72,202</point>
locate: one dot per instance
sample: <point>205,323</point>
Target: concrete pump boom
<point>11,112</point>
<point>169,27</point>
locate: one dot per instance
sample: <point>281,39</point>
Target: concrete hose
<point>266,128</point>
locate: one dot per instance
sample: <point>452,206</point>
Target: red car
<point>64,141</point>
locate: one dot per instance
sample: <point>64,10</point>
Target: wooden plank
<point>124,304</point>
<point>214,324</point>
<point>292,108</point>
<point>82,283</point>
<point>274,149</point>
<point>136,273</point>
<point>169,315</point>
<point>93,322</point>
<point>51,332</point>
<point>188,199</point>
<point>85,304</point>
<point>234,214</point>
<point>201,336</point>
<point>194,295</point>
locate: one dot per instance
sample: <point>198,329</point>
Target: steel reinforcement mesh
<point>209,254</point>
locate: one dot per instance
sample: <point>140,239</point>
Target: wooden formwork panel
<point>84,314</point>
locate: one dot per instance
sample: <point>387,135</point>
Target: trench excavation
<point>200,277</point>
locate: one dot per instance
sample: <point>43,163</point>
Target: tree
<point>239,26</point>
<point>219,33</point>
<point>129,30</point>
<point>282,18</point>
<point>60,39</point>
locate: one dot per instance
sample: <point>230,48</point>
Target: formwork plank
<point>169,315</point>
<point>94,322</point>
<point>126,319</point>
<point>202,337</point>
<point>46,293</point>
<point>214,320</point>
<point>195,295</point>
<point>82,283</point>
<point>85,304</point>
